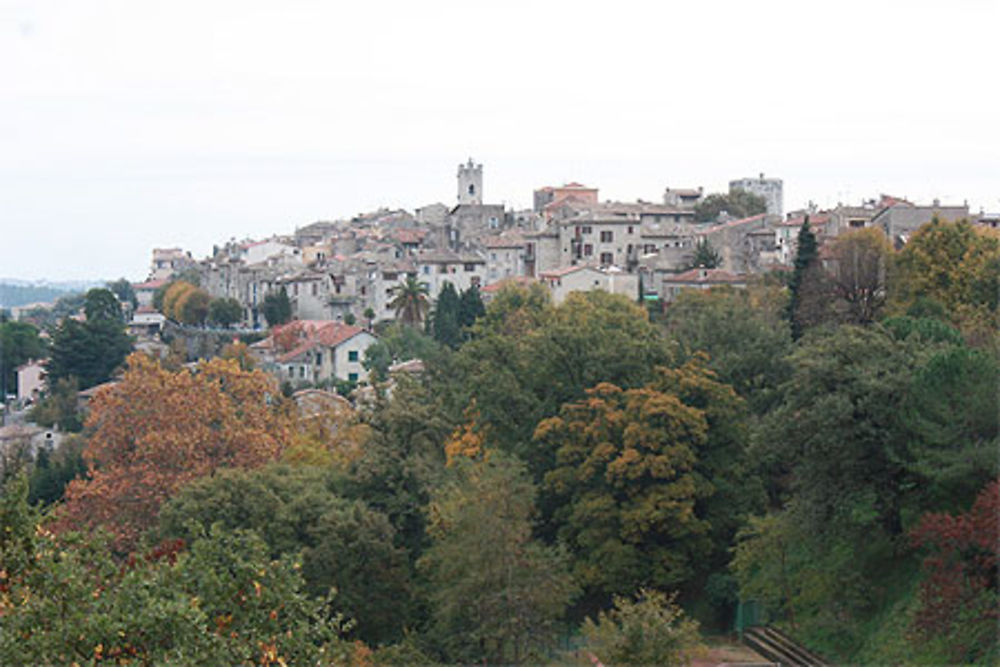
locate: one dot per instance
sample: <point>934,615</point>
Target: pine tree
<point>705,256</point>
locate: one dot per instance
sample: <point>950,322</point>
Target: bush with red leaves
<point>958,596</point>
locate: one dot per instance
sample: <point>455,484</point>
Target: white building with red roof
<point>315,351</point>
<point>562,282</point>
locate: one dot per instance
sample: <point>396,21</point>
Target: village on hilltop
<point>337,273</point>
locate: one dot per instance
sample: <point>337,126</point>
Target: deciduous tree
<point>496,594</point>
<point>859,265</point>
<point>225,312</point>
<point>624,488</point>
<point>744,334</point>
<point>19,343</point>
<point>344,544</point>
<point>650,629</point>
<point>156,430</point>
<point>954,264</point>
<point>738,204</point>
<point>959,597</point>
<point>277,308</point>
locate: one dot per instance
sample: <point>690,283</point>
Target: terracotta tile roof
<point>320,332</point>
<point>732,223</point>
<point>505,240</point>
<point>564,271</point>
<point>816,219</point>
<point>409,235</point>
<point>149,284</point>
<point>705,276</point>
<point>514,280</point>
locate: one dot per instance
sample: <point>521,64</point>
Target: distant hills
<point>15,292</point>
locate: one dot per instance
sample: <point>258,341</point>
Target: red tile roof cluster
<point>409,235</point>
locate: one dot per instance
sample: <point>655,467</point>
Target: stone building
<point>545,197</point>
<point>169,261</point>
<point>771,189</point>
<point>470,219</point>
<point>900,218</point>
<point>683,197</point>
<point>504,256</point>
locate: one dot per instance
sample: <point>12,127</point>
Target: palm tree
<point>410,301</point>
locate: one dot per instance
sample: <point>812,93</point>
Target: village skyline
<point>218,229</point>
<point>117,141</point>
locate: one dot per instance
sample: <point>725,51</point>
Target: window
<point>302,371</point>
<point>587,229</point>
<point>352,377</point>
<point>319,358</point>
<point>426,269</point>
<point>352,355</point>
<point>469,268</point>
<point>631,229</point>
<point>472,189</point>
<point>588,249</point>
<point>607,259</point>
<point>314,288</point>
<point>607,237</point>
<point>494,223</point>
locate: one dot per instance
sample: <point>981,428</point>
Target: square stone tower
<point>470,183</point>
<point>771,189</point>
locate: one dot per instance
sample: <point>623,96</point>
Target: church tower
<point>470,183</point>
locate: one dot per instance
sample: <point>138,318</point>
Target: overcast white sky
<point>129,124</point>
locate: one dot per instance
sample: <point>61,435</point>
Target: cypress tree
<point>470,307</point>
<point>445,327</point>
<point>805,257</point>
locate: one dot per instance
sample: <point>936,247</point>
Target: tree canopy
<point>410,301</point>
<point>277,308</point>
<point>156,430</point>
<point>738,204</point>
<point>90,351</point>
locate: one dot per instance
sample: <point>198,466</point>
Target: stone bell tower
<point>470,183</point>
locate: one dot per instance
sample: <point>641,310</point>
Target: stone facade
<point>771,189</point>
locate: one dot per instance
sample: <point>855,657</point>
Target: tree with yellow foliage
<point>951,263</point>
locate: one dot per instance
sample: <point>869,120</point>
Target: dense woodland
<point>561,480</point>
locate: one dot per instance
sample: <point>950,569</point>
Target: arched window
<point>472,189</point>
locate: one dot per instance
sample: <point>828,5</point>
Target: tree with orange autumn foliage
<point>156,430</point>
<point>468,439</point>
